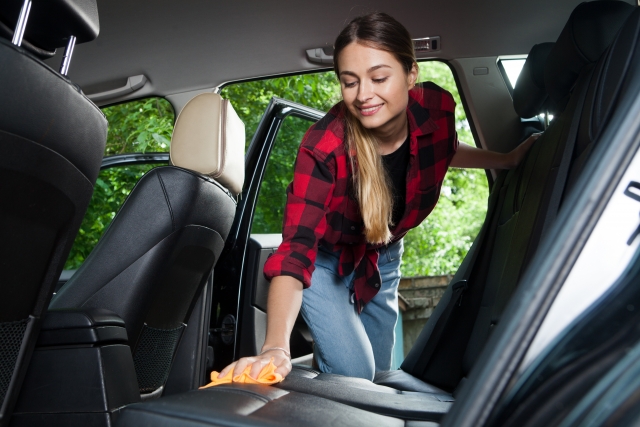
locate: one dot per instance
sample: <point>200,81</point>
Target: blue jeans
<point>347,343</point>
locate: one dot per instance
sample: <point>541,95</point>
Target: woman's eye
<point>349,84</point>
<point>380,80</point>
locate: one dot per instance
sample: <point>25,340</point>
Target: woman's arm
<point>283,305</point>
<point>471,157</point>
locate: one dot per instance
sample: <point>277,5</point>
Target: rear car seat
<point>52,138</point>
<point>611,71</point>
<point>515,220</point>
<point>155,257</point>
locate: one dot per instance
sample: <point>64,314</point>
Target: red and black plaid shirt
<point>321,208</point>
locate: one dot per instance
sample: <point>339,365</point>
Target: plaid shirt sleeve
<point>305,220</point>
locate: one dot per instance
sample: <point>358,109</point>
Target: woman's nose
<point>365,92</point>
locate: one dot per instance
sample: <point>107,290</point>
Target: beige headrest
<point>209,138</point>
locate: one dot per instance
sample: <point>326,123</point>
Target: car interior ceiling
<point>103,333</point>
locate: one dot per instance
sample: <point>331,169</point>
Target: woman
<point>365,174</point>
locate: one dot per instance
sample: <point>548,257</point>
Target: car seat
<point>52,138</point>
<point>154,259</point>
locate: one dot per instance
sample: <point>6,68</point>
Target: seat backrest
<point>547,387</point>
<point>523,197</point>
<point>52,139</point>
<point>155,257</point>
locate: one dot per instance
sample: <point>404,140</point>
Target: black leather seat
<point>52,139</point>
<point>154,259</point>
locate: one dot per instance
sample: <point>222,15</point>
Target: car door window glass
<point>139,126</point>
<point>278,174</point>
<point>511,68</point>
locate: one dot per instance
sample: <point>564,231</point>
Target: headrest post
<point>18,33</point>
<point>66,58</point>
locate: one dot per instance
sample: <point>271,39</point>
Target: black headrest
<point>530,96</point>
<point>620,73</point>
<point>52,22</point>
<point>588,33</point>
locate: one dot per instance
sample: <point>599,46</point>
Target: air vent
<point>426,45</point>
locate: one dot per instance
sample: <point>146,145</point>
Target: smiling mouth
<point>369,111</point>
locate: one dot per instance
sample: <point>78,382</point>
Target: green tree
<point>139,126</point>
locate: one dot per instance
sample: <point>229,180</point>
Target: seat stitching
<point>166,197</point>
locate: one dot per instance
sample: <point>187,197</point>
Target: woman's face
<point>375,87</point>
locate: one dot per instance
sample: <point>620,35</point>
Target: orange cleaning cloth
<point>267,376</point>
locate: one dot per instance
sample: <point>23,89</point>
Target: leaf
<point>162,141</point>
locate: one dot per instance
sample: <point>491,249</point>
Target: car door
<point>240,290</point>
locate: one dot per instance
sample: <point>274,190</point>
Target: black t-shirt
<point>396,166</point>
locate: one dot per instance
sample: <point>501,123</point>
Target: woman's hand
<point>280,360</point>
<point>283,306</point>
<point>516,155</point>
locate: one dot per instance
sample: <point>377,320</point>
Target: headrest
<point>588,33</point>
<point>530,96</point>
<point>208,138</point>
<point>620,73</point>
<point>52,22</point>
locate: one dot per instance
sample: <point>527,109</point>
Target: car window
<point>250,99</point>
<point>278,174</point>
<point>511,68</point>
<point>439,244</point>
<point>141,126</point>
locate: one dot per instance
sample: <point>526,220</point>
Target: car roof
<point>190,45</point>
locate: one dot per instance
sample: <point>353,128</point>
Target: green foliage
<point>279,173</point>
<point>139,126</point>
<point>250,99</point>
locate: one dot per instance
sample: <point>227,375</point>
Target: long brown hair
<point>371,182</point>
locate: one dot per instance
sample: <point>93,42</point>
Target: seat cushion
<point>400,380</point>
<point>249,405</point>
<point>364,394</point>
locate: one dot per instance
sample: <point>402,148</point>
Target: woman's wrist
<point>284,350</point>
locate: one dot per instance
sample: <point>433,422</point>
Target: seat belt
<point>459,288</point>
<point>565,162</point>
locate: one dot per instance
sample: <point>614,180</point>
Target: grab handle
<point>133,84</point>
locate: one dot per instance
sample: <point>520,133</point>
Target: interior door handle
<point>133,84</point>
